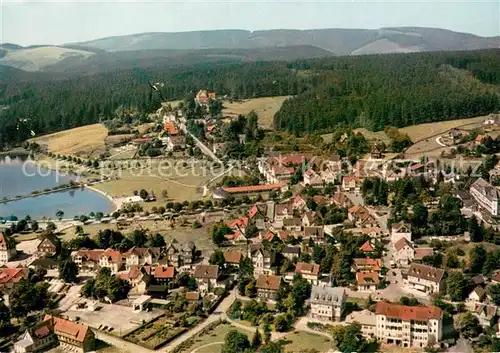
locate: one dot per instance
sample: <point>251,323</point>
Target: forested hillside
<point>62,103</point>
<point>370,91</point>
<point>393,90</point>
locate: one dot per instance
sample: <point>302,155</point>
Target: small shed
<point>141,303</point>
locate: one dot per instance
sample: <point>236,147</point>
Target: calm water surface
<point>19,178</point>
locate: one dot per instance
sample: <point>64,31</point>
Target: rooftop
<point>406,313</point>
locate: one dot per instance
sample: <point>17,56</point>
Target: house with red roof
<point>72,336</point>
<point>351,183</point>
<point>233,257</point>
<point>267,286</point>
<point>299,203</point>
<point>409,326</point>
<point>162,275</point>
<point>312,179</point>
<point>367,281</point>
<point>366,265</point>
<point>403,252</point>
<point>309,272</point>
<point>37,338</point>
<point>361,217</point>
<point>367,248</point>
<point>92,260</point>
<point>9,277</point>
<point>236,238</point>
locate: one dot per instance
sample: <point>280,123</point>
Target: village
<point>394,251</point>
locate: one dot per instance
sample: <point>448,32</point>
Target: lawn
<point>81,141</point>
<point>265,108</point>
<point>216,335</point>
<point>180,182</point>
<point>299,341</point>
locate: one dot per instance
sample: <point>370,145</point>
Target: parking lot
<point>118,317</point>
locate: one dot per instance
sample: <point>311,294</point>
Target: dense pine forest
<point>370,91</point>
<point>393,90</point>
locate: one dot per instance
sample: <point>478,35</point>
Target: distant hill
<point>148,50</point>
<point>337,41</point>
<point>37,57</point>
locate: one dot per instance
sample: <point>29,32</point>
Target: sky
<point>57,22</point>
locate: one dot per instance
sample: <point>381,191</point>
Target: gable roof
<point>366,247</point>
<point>206,271</point>
<point>164,272</point>
<point>268,282</point>
<point>401,243</point>
<point>479,291</point>
<point>75,331</point>
<point>373,264</point>
<point>426,272</point>
<point>305,268</point>
<point>314,231</point>
<point>364,278</point>
<point>401,227</point>
<point>406,313</point>
<point>232,257</point>
<point>327,295</point>
<point>11,275</point>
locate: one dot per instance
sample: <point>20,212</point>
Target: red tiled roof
<point>233,236</point>
<point>305,268</point>
<point>233,257</point>
<point>348,178</point>
<point>42,331</point>
<point>373,264</point>
<point>240,222</point>
<point>401,243</point>
<point>206,271</point>
<point>253,211</point>
<point>406,313</point>
<point>164,272</point>
<point>170,128</point>
<point>76,331</point>
<point>364,278</point>
<point>254,188</point>
<point>112,255</point>
<point>366,247</point>
<point>268,282</point>
<point>11,275</point>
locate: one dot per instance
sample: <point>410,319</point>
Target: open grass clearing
<point>84,141</point>
<point>180,183</point>
<point>216,335</point>
<point>265,108</point>
<point>299,341</point>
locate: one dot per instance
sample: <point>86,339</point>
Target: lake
<point>20,178</point>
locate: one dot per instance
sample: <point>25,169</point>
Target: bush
<point>281,323</point>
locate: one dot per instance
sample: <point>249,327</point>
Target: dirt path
<point>207,345</point>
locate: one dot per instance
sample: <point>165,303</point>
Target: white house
<point>404,252</point>
<point>400,230</point>
<point>327,303</point>
<point>424,278</point>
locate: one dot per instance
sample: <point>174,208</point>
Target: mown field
<point>265,108</point>
<point>85,141</point>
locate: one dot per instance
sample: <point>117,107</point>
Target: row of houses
<point>174,254</point>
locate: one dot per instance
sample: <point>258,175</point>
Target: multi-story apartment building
<point>486,195</point>
<point>309,272</point>
<point>7,249</point>
<point>92,260</point>
<point>409,326</point>
<point>180,254</point>
<point>141,256</point>
<point>327,303</point>
<point>424,278</point>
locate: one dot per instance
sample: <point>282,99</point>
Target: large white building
<point>486,195</point>
<point>409,326</point>
<point>424,278</point>
<point>327,303</point>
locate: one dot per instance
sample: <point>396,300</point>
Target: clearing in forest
<point>265,108</point>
